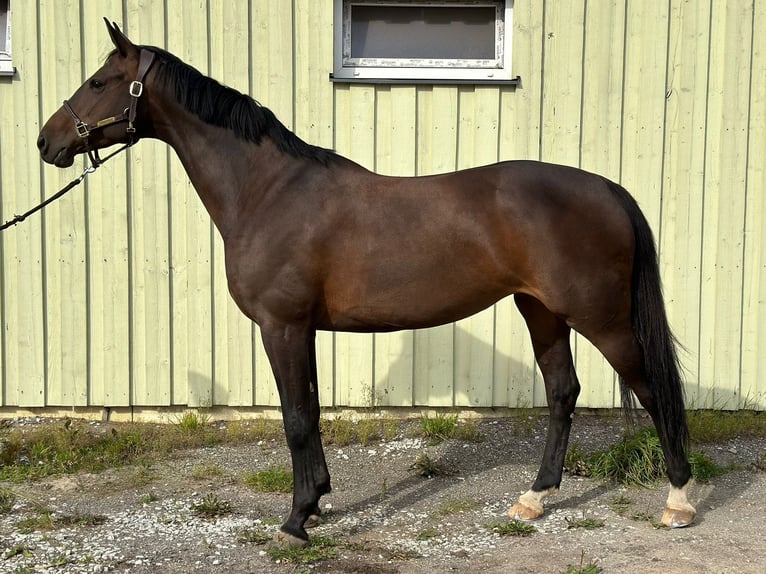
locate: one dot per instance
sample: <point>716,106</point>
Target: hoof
<point>285,539</point>
<point>521,511</point>
<point>677,517</point>
<point>312,521</point>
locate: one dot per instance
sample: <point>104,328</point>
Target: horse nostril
<point>41,143</point>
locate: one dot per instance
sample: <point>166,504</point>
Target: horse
<point>314,241</point>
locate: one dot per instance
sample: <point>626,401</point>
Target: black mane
<point>227,108</point>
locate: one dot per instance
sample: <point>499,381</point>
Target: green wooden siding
<point>116,295</point>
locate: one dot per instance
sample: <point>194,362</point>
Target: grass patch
<point>636,460</point>
<point>320,548</point>
<point>439,428</point>
<point>584,522</point>
<point>192,422</point>
<point>647,517</point>
<point>512,528</point>
<point>148,498</point>
<point>427,534</point>
<point>273,479</point>
<point>44,520</point>
<point>426,467</point>
<point>69,446</point>
<point>211,506</point>
<point>712,426</point>
<point>704,468</point>
<point>457,506</point>
<point>339,431</point>
<point>18,550</point>
<point>206,471</point>
<point>7,500</point>
<point>620,504</point>
<point>255,536</point>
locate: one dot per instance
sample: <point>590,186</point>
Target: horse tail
<point>661,366</point>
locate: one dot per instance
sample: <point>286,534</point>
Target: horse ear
<point>121,42</point>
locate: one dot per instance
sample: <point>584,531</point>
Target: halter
<point>84,130</point>
<point>128,114</point>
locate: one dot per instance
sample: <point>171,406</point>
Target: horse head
<point>104,111</point>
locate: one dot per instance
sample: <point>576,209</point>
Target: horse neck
<point>227,172</point>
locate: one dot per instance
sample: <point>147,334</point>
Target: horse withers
<point>314,241</point>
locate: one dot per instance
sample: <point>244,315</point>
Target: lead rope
<point>74,183</point>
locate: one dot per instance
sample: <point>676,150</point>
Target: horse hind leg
<point>626,356</point>
<point>550,341</point>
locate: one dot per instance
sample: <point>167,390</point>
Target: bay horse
<point>314,241</point>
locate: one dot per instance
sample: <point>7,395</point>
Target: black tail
<point>662,368</point>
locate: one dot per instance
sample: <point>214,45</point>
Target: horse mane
<point>225,107</point>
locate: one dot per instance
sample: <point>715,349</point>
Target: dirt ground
<point>383,518</point>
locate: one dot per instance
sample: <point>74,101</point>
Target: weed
<point>576,462</point>
<point>760,462</point>
<point>457,506</point>
<point>192,422</point>
<point>584,522</point>
<point>273,479</point>
<point>206,471</point>
<point>468,432</point>
<point>637,460</point>
<point>18,550</point>
<point>525,419</point>
<point>703,467</point>
<point>427,534</point>
<point>7,501</point>
<point>512,528</point>
<point>620,504</point>
<point>439,428</point>
<point>591,567</point>
<point>321,548</point>
<point>368,430</point>
<point>253,536</point>
<point>427,467</point>
<point>79,520</point>
<point>242,431</point>
<point>390,429</point>
<point>211,506</point>
<point>41,520</point>
<point>647,517</point>
<point>148,498</point>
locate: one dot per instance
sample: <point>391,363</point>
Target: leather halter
<point>136,88</point>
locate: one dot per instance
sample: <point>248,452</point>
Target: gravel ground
<point>384,518</point>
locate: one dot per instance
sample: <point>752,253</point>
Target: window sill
<point>429,81</point>
<point>6,68</point>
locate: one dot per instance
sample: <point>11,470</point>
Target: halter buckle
<point>82,129</point>
<point>136,89</point>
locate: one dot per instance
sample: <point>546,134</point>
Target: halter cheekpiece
<point>136,89</point>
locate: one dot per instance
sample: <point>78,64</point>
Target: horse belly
<point>423,293</point>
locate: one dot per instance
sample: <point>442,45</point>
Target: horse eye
<point>96,85</point>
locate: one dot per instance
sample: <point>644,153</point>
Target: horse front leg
<point>292,354</point>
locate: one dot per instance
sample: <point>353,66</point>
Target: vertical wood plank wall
<point>116,296</point>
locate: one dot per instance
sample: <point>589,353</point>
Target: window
<point>6,65</point>
<point>450,41</point>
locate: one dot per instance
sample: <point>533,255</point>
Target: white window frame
<point>6,62</point>
<point>389,70</point>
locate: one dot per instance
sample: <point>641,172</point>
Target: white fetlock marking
<point>534,500</point>
<point>678,497</point>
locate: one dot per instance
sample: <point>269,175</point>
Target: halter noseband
<point>129,114</point>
